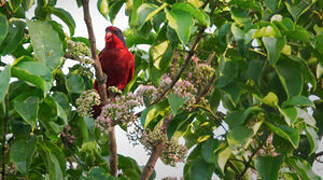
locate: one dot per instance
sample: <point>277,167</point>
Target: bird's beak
<point>108,36</point>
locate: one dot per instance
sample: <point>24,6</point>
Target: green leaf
<point>28,109</point>
<point>271,99</point>
<point>114,9</point>
<point>200,15</point>
<point>201,170</point>
<point>299,34</point>
<point>240,16</point>
<point>238,118</point>
<point>302,168</point>
<point>298,101</point>
<point>4,82</point>
<point>228,71</point>
<point>98,173</point>
<point>14,37</point>
<point>25,68</point>
<point>297,10</point>
<point>21,152</point>
<point>175,102</point>
<point>319,42</point>
<point>103,7</point>
<point>268,166</point>
<point>313,139</point>
<point>55,171</point>
<point>153,111</point>
<point>239,136</point>
<point>4,27</point>
<point>207,150</point>
<point>182,22</point>
<point>132,38</point>
<point>75,83</point>
<point>271,4</point>
<point>291,76</point>
<point>14,4</point>
<point>288,133</point>
<point>289,114</point>
<point>222,157</point>
<point>178,124</point>
<point>134,15</point>
<point>274,47</point>
<point>46,43</point>
<point>65,17</point>
<point>147,11</point>
<point>27,4</point>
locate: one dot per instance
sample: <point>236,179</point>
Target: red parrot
<point>116,61</point>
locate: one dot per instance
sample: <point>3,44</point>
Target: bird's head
<point>114,36</point>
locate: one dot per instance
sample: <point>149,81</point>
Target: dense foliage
<point>259,61</point>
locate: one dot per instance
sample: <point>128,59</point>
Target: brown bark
<point>102,86</point>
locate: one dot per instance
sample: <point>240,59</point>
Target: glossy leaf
<point>175,102</point>
<point>4,82</point>
<point>14,37</point>
<point>103,7</point>
<point>75,84</point>
<point>291,76</point>
<point>201,16</point>
<point>65,17</point>
<point>32,71</point>
<point>182,22</point>
<point>28,109</point>
<point>146,12</point>
<point>46,43</point>
<point>21,152</point>
<point>222,157</point>
<point>274,47</point>
<point>14,4</point>
<point>302,168</point>
<point>4,27</point>
<point>152,112</point>
<point>298,9</point>
<point>200,170</point>
<point>268,166</point>
<point>239,136</point>
<point>288,133</point>
<point>228,72</point>
<point>298,101</point>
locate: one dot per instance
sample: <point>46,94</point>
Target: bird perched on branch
<point>116,61</point>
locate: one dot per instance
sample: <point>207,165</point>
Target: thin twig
<point>248,163</point>
<point>102,87</point>
<point>319,154</point>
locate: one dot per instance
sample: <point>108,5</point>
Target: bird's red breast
<point>116,60</point>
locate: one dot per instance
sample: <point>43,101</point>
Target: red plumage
<point>116,61</point>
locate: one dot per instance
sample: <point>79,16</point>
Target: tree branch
<point>158,149</point>
<point>102,86</point>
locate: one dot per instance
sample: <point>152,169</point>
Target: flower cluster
<point>148,93</point>
<point>86,101</point>
<point>79,51</point>
<point>201,74</point>
<point>172,151</point>
<point>182,88</point>
<point>118,111</point>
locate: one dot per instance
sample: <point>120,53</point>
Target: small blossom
<point>86,101</point>
<point>118,111</point>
